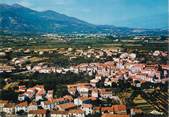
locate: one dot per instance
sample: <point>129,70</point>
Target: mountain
<point>21,19</point>
<point>18,19</point>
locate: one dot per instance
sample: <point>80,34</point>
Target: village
<point>120,85</point>
<point>84,58</point>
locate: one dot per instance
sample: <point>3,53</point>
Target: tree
<point>21,112</point>
<point>8,95</point>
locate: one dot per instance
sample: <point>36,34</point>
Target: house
<point>106,110</point>
<point>68,98</point>
<point>48,104</point>
<point>21,106</point>
<point>40,88</point>
<point>82,100</point>
<point>105,93</point>
<point>38,97</point>
<point>83,91</point>
<point>22,88</point>
<point>57,101</point>
<point>59,114</point>
<point>49,94</point>
<point>33,106</point>
<point>97,109</point>
<point>32,90</point>
<point>93,82</point>
<point>2,104</point>
<point>21,97</point>
<point>9,108</point>
<point>108,82</point>
<point>40,92</point>
<point>76,113</point>
<point>87,108</point>
<point>72,89</point>
<point>29,95</point>
<point>119,109</point>
<point>135,68</point>
<point>37,113</point>
<point>66,106</point>
<point>95,93</point>
<point>82,88</point>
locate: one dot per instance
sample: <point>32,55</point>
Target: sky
<point>130,13</point>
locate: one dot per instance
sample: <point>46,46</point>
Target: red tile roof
<point>9,105</point>
<point>3,101</point>
<point>69,98</point>
<point>114,115</point>
<point>87,105</point>
<point>119,107</point>
<point>22,104</point>
<point>76,111</point>
<point>84,98</point>
<point>110,109</point>
<point>59,112</point>
<point>66,106</point>
<point>40,111</point>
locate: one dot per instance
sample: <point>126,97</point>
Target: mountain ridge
<point>19,19</point>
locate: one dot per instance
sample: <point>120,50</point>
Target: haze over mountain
<point>157,20</point>
<point>19,19</point>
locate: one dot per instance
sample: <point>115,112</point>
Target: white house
<point>2,104</point>
<point>33,106</point>
<point>59,114</point>
<point>21,106</point>
<point>21,97</point>
<point>9,108</point>
<point>48,105</point>
<point>87,108</point>
<point>93,82</point>
<point>77,113</point>
<point>83,91</point>
<point>81,100</point>
<point>95,93</point>
<point>37,113</point>
<point>105,93</point>
<point>107,82</point>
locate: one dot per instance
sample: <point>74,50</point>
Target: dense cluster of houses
<point>82,99</point>
<point>116,70</point>
<point>36,101</point>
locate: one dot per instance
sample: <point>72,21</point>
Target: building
<point>22,106</point>
<point>82,100</point>
<point>105,93</point>
<point>33,106</point>
<point>9,108</point>
<point>59,114</point>
<point>76,113</point>
<point>87,108</point>
<point>48,105</point>
<point>2,104</point>
<point>37,113</point>
<point>66,106</point>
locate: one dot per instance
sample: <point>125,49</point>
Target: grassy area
<point>39,42</point>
